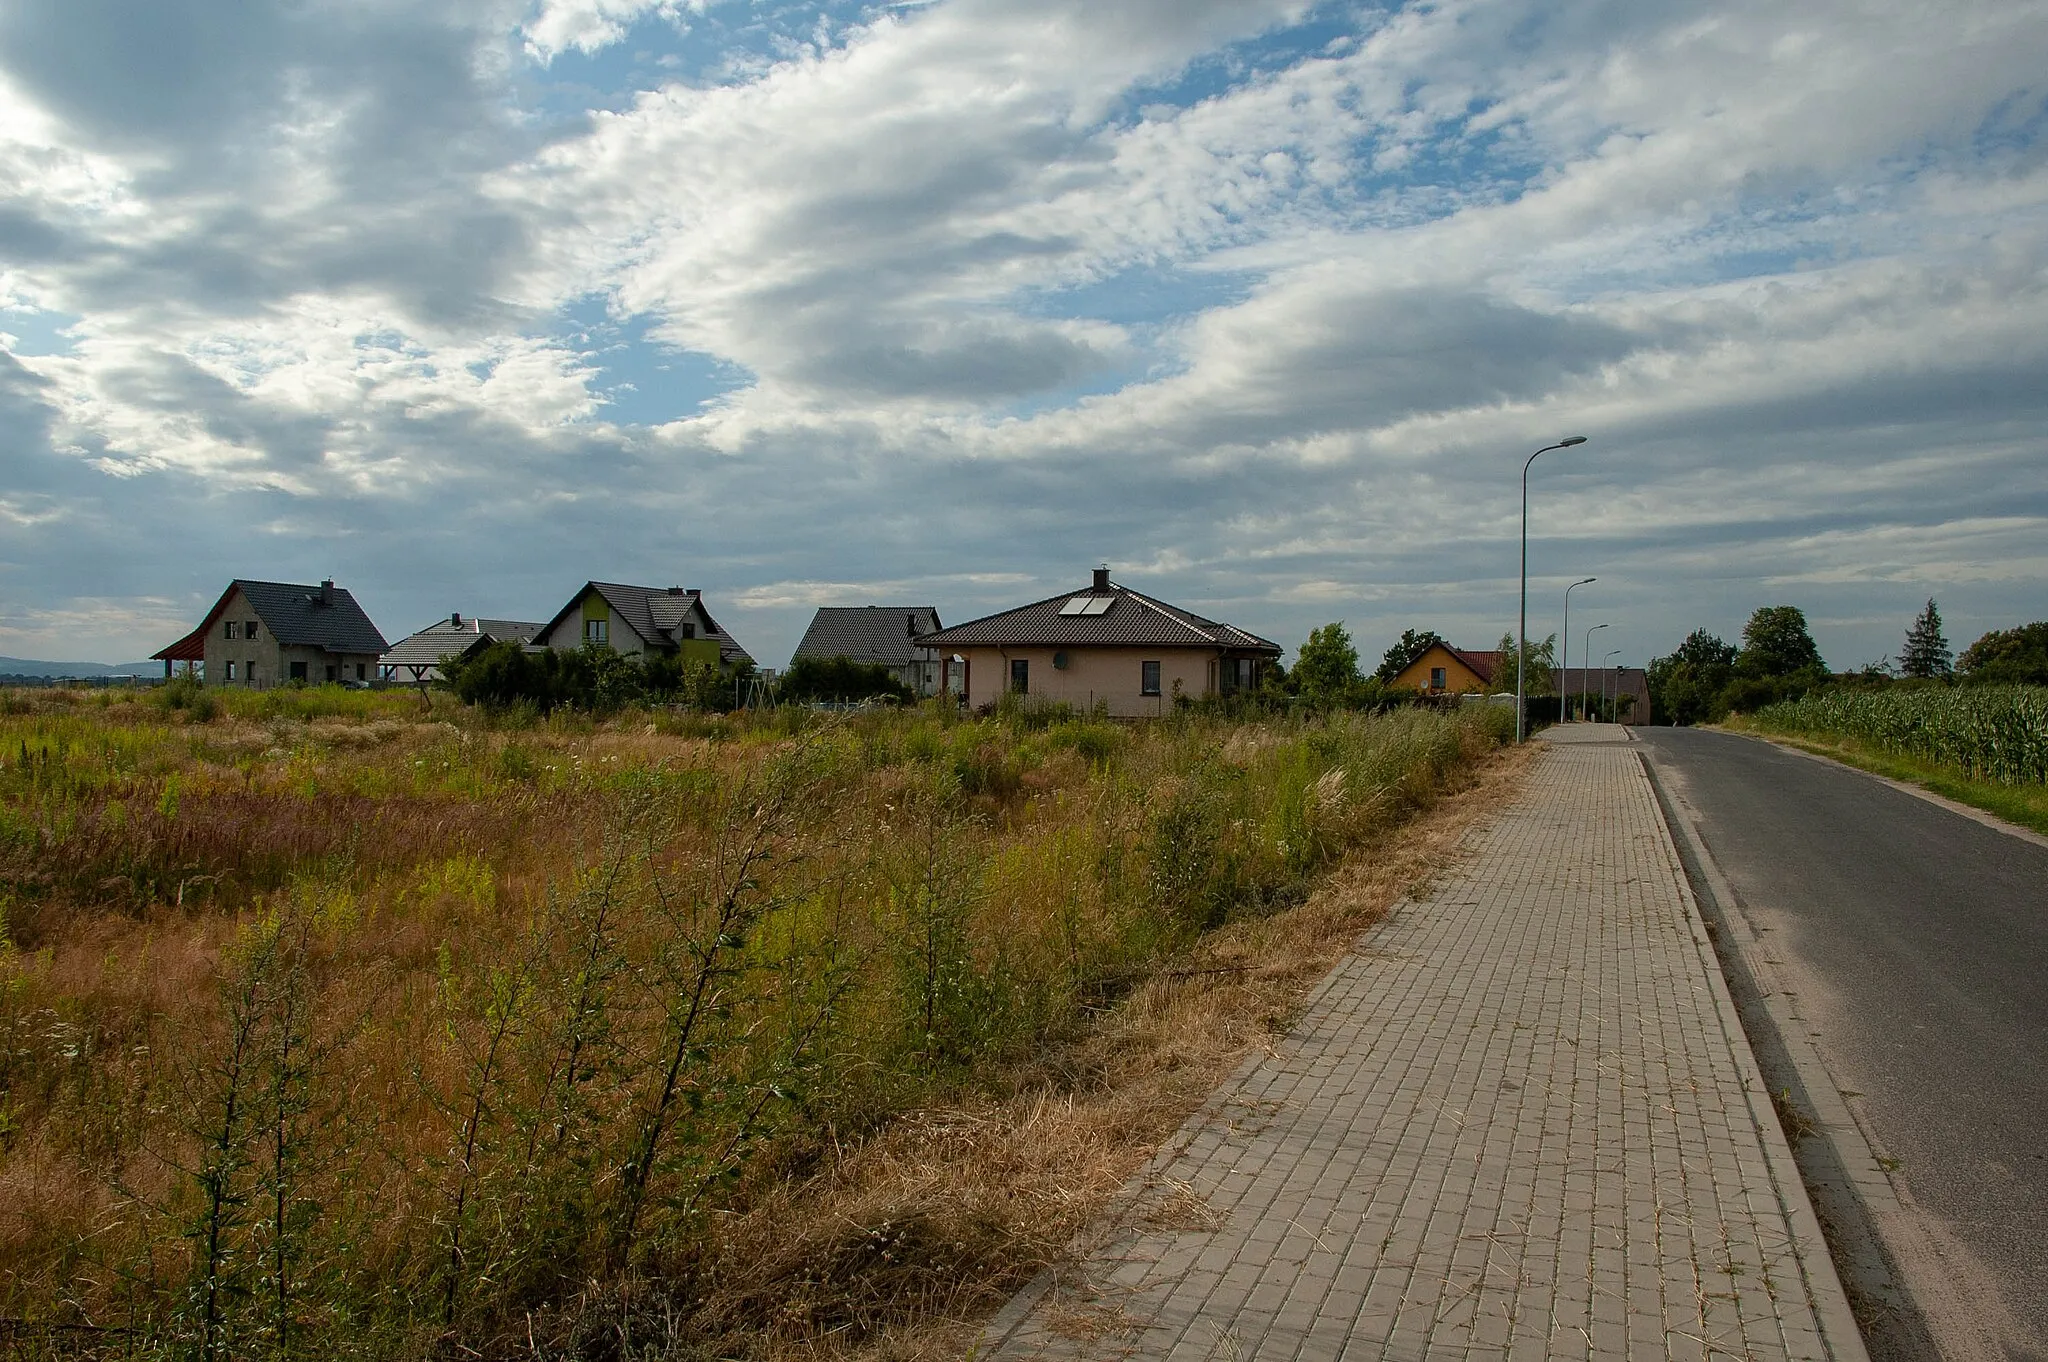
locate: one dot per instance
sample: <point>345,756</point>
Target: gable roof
<point>1131,619</point>
<point>888,634</point>
<point>446,637</point>
<point>1483,662</point>
<point>297,615</point>
<point>654,613</point>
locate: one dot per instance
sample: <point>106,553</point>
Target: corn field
<point>1992,733</point>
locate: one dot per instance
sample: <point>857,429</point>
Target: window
<point>686,630</point>
<point>248,628</point>
<point>249,671</point>
<point>1148,678</point>
<point>298,671</point>
<point>1020,675</point>
<point>231,671</point>
<point>362,671</point>
<point>597,631</point>
<point>331,677</point>
<point>1436,678</point>
<point>232,631</point>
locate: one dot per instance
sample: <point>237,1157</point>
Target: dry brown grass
<point>903,1249</point>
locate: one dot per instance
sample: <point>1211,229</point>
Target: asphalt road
<point>1919,940</point>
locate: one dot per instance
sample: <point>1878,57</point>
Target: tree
<point>2008,657</point>
<point>1685,687</point>
<point>1414,643</point>
<point>1776,643</point>
<point>1542,670</point>
<point>1926,655</point>
<point>1326,672</point>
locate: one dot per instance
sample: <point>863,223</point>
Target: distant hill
<point>23,666</point>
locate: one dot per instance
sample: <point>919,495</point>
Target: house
<point>644,619</point>
<point>1627,687</point>
<point>1444,670</point>
<point>877,635</point>
<point>1102,644</point>
<point>261,634</point>
<point>416,659</point>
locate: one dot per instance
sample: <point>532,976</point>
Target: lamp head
<point>1585,581</point>
<point>1568,441</point>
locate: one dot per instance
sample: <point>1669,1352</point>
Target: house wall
<point>1459,679</point>
<point>1094,674</point>
<point>569,633</point>
<point>221,650</point>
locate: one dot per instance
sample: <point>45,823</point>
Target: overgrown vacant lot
<point>329,1027</point>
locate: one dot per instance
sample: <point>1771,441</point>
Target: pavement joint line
<point>1537,1132</point>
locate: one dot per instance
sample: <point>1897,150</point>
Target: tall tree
<point>1685,687</point>
<point>1541,678</point>
<point>1414,643</point>
<point>1926,655</point>
<point>1776,642</point>
<point>1327,669</point>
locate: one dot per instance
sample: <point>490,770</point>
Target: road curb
<point>1839,1167</point>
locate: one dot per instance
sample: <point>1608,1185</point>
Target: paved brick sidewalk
<point>1520,1121</point>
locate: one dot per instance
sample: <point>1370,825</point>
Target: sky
<point>1263,303</point>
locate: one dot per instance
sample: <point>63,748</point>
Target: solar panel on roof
<point>1098,606</point>
<point>1078,605</point>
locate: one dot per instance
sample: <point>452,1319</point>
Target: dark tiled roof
<point>653,612</point>
<point>444,638</point>
<point>887,634</point>
<point>320,616</point>
<point>1133,619</point>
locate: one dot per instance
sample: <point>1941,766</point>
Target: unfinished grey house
<point>263,634</point>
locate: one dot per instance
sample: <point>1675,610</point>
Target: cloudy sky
<point>1262,302</point>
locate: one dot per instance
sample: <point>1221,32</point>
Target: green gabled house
<point>644,619</point>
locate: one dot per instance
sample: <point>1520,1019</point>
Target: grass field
<point>330,1026</point>
<point>1983,746</point>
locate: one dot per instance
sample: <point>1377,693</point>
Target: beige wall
<point>1093,674</point>
<point>1459,679</point>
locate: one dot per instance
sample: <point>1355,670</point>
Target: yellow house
<point>1444,670</point>
<point>1104,645</point>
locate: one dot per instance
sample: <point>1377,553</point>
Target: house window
<point>686,631</point>
<point>298,671</point>
<point>331,677</point>
<point>248,628</point>
<point>597,631</point>
<point>1436,678</point>
<point>362,671</point>
<point>1020,675</point>
<point>232,631</point>
<point>231,671</point>
<point>248,671</point>
<point>1148,678</point>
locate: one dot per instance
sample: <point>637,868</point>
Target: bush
<point>840,679</point>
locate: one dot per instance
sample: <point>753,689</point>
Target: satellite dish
<point>1059,661</point>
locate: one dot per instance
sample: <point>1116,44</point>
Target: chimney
<point>912,620</point>
<point>675,591</point>
<point>456,619</point>
<point>327,591</point>
<point>1102,578</point>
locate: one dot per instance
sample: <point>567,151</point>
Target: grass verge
<point>2023,805</point>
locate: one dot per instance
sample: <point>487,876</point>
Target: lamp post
<point>1564,667</point>
<point>1522,623</point>
<point>1603,684</point>
<point>1589,653</point>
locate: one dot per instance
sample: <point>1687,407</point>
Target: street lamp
<point>1589,670</point>
<point>1522,624</point>
<point>1603,685</point>
<point>1564,668</point>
